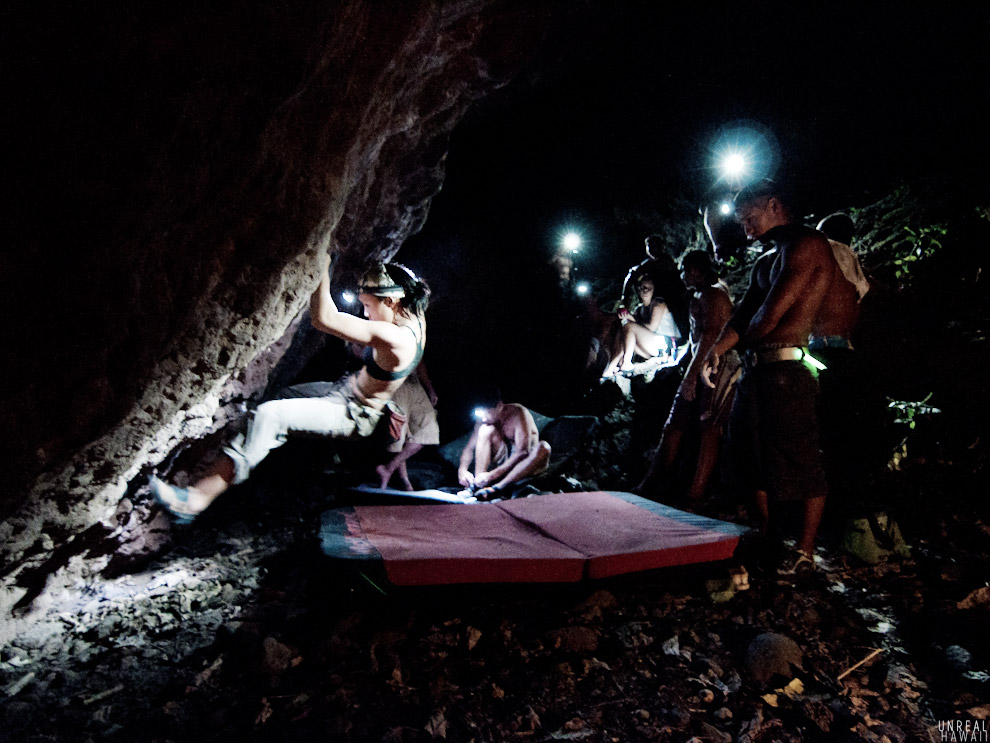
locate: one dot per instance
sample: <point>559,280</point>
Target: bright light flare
<point>743,152</point>
<point>479,414</point>
<point>582,288</point>
<point>734,165</point>
<point>348,297</point>
<point>571,241</point>
<point>726,208</point>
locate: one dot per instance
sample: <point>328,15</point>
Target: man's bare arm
<point>464,475</point>
<point>756,293</point>
<point>728,340</point>
<point>732,334</point>
<point>799,264</point>
<point>424,379</point>
<point>628,288</point>
<point>715,311</point>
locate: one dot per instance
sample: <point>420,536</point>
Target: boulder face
<point>179,171</point>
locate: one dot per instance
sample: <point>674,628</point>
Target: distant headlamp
<point>733,165</point>
<point>743,152</point>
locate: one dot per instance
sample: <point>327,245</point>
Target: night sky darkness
<point>607,130</point>
<point>616,121</point>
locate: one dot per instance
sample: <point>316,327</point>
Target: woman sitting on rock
<point>649,331</point>
<point>394,335</point>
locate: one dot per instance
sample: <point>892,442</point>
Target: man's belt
<point>755,357</point>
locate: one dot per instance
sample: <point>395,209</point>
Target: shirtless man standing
<point>710,309</point>
<point>505,446</point>
<point>774,425</point>
<point>839,313</point>
<point>848,412</point>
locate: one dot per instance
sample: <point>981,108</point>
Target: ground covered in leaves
<point>243,631</point>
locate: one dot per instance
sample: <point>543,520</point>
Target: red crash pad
<point>560,537</point>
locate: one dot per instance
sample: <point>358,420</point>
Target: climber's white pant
<point>316,408</point>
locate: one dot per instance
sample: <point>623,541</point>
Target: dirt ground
<point>243,631</point>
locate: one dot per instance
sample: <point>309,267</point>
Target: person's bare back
<point>839,311</point>
<point>516,426</point>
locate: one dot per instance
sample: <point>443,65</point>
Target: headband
<point>378,283</point>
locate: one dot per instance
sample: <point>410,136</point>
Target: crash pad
<point>424,496</point>
<point>559,537</point>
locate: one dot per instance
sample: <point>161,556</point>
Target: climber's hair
<point>416,293</point>
<point>395,281</point>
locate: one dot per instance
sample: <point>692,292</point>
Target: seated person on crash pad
<point>505,447</point>
<point>650,331</point>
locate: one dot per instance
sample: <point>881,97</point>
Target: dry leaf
<point>977,598</point>
<point>264,713</point>
<point>473,635</point>
<point>437,726</point>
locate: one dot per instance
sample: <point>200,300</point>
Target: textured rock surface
<point>772,654</point>
<point>179,174</point>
